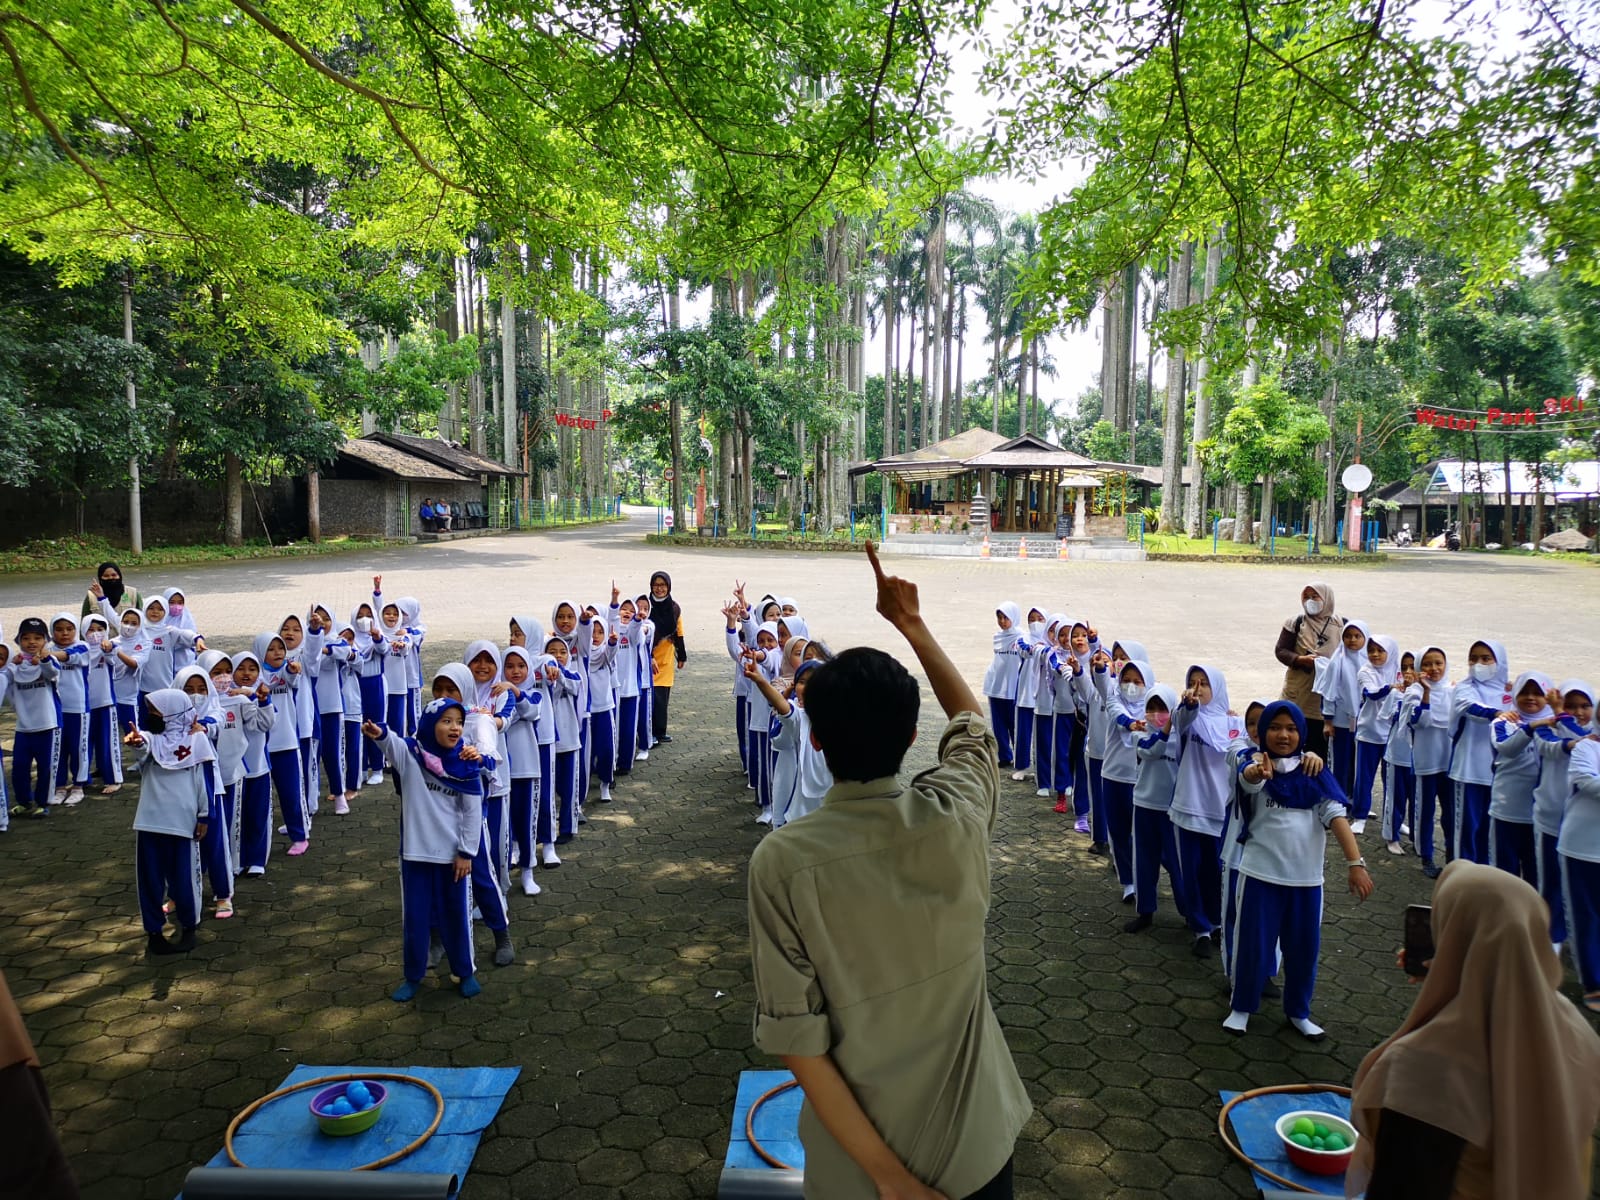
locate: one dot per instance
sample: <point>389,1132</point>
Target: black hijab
<point>664,612</point>
<point>111,587</point>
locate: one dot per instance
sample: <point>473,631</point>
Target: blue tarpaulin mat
<point>284,1134</point>
<point>1253,1129</point>
<point>777,1125</point>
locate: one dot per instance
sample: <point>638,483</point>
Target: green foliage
<point>84,553</point>
<point>1270,434</point>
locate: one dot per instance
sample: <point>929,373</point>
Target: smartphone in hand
<point>1419,939</point>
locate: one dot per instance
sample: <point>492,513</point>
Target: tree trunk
<point>1179,269</point>
<point>1111,408</point>
<point>1241,513</point>
<point>890,335</point>
<point>1194,509</point>
<point>1536,535</point>
<point>313,507</point>
<point>1268,504</point>
<point>910,399</point>
<point>233,499</point>
<point>947,357</point>
<point>508,368</point>
<point>1328,508</point>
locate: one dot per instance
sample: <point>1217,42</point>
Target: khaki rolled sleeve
<point>967,773</point>
<point>791,1016</point>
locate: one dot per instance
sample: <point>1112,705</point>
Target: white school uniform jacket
<point>1031,643</point>
<point>171,800</point>
<point>602,673</point>
<point>72,685</point>
<point>165,641</point>
<point>626,669</point>
<point>125,679</point>
<point>1474,705</point>
<point>308,654</point>
<point>1042,664</point>
<point>1286,846</point>
<point>1397,746</point>
<point>522,734</point>
<point>1517,761</point>
<point>1000,682</point>
<point>1243,750</point>
<point>760,711</point>
<point>397,650</point>
<point>1580,827</point>
<point>256,718</point>
<point>646,638</point>
<point>416,633</point>
<point>285,733</point>
<point>101,656</point>
<point>328,676</point>
<point>1158,758</point>
<point>1377,686</point>
<point>1122,743</point>
<point>33,694</point>
<point>1337,680</point>
<point>1206,763</point>
<point>437,822</point>
<point>737,640</point>
<point>1555,747</point>
<point>564,692</point>
<point>182,656</point>
<point>1429,722</point>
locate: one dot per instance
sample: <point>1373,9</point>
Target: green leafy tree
<point>1271,435</point>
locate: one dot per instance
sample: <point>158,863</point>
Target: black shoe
<point>664,738</point>
<point>1139,924</point>
<point>1100,849</point>
<point>1203,947</point>
<point>564,839</point>
<point>185,942</point>
<point>1271,991</point>
<point>160,946</point>
<point>621,772</point>
<point>1428,869</point>
<point>1004,764</point>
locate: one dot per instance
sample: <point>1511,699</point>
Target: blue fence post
<point>1216,526</point>
<point>1338,530</point>
<point>1272,535</point>
<point>802,524</point>
<point>884,535</point>
<point>1141,531</point>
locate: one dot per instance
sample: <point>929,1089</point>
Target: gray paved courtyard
<point>629,1007</point>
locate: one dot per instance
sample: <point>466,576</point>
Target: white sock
<point>1128,890</point>
<point>550,857</point>
<point>1236,1021</point>
<point>605,791</point>
<point>1307,1026</point>
<point>1556,946</point>
<point>529,887</point>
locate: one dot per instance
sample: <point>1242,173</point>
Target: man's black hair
<point>863,705</point>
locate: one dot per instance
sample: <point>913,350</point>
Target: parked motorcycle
<point>1403,537</point>
<point>1452,536</point>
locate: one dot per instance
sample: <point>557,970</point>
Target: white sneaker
<point>529,887</point>
<point>549,857</point>
<point>1044,792</point>
<point>1358,827</point>
<point>59,796</point>
<point>374,779</point>
<point>75,796</point>
<point>341,807</point>
<point>643,756</point>
<point>1236,1022</point>
<point>256,871</point>
<point>605,791</point>
<point>1396,848</point>
<point>765,818</point>
<point>1018,776</point>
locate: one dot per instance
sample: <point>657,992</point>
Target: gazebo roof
<point>938,459</point>
<point>451,457</point>
<point>386,460</point>
<point>1030,453</point>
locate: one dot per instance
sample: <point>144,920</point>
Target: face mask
<point>1283,766</point>
<point>1036,628</point>
<point>130,631</point>
<point>1158,720</point>
<point>155,723</point>
<point>1313,608</point>
<point>175,611</point>
<point>1483,672</point>
<point>1132,691</point>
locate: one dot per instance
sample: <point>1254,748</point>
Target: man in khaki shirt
<point>867,939</point>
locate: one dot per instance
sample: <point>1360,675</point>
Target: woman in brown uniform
<point>33,1164</point>
<point>1314,633</point>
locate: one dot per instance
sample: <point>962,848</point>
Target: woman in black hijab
<point>667,650</point>
<point>108,583</point>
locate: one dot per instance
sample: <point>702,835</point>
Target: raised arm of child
<point>754,673</point>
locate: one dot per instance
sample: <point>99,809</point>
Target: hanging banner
<point>573,422</point>
<point>1555,406</point>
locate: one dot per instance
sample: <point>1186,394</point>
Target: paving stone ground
<point>629,1007</point>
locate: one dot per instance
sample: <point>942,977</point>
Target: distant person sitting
<point>430,517</point>
<point>441,511</point>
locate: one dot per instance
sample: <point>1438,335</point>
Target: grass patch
<point>87,553</point>
<point>1577,556</point>
<point>1284,547</point>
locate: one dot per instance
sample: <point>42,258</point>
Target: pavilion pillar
<point>1080,516</point>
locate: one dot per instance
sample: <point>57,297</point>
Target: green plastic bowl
<point>356,1122</point>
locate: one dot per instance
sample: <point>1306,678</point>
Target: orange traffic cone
<point>1022,549</point>
<point>983,550</point>
<point>1061,550</point>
